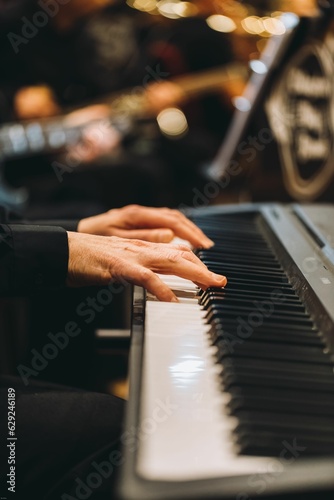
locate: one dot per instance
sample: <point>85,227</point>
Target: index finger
<point>192,270</point>
<point>180,225</point>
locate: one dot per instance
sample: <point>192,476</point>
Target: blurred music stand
<point>288,114</point>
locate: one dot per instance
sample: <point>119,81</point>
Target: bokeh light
<point>220,23</point>
<point>172,122</point>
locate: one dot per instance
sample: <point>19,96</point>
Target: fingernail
<point>175,299</point>
<point>220,278</point>
<point>208,243</point>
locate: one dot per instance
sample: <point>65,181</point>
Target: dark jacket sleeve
<point>69,225</point>
<point>10,217</point>
<point>32,258</point>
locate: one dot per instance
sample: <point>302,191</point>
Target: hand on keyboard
<point>160,225</point>
<point>98,260</point>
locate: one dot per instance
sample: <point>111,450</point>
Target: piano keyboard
<point>235,379</point>
<point>276,364</point>
<point>188,379</point>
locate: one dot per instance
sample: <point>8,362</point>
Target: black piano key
<point>230,324</point>
<point>255,240</point>
<point>241,380</point>
<point>299,397</point>
<point>268,277</point>
<point>245,326</point>
<point>252,265</point>
<point>227,254</point>
<point>229,227</point>
<point>280,401</point>
<point>249,301</point>
<point>269,336</point>
<point>246,379</point>
<point>242,309</point>
<point>249,323</point>
<point>288,367</point>
<point>238,262</point>
<point>259,285</point>
<point>243,257</point>
<point>260,441</point>
<point>290,338</point>
<point>235,258</point>
<point>243,431</point>
<point>317,424</point>
<point>254,317</point>
<point>270,351</point>
<point>274,280</point>
<point>219,293</point>
<point>280,373</point>
<point>278,428</point>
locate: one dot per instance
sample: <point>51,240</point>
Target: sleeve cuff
<point>69,225</point>
<point>41,257</point>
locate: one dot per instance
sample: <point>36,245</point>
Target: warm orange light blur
<point>220,23</point>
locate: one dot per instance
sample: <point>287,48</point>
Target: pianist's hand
<point>97,260</point>
<point>99,138</point>
<point>158,225</point>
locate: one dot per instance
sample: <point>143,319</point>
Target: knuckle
<point>174,257</point>
<point>184,248</point>
<point>178,214</point>
<point>185,254</point>
<point>145,275</point>
<point>133,206</point>
<point>139,243</point>
<point>114,239</point>
<point>132,209</point>
<point>173,214</point>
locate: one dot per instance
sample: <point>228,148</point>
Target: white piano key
<point>185,428</point>
<point>178,283</point>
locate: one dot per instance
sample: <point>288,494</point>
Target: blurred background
<point>129,58</point>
